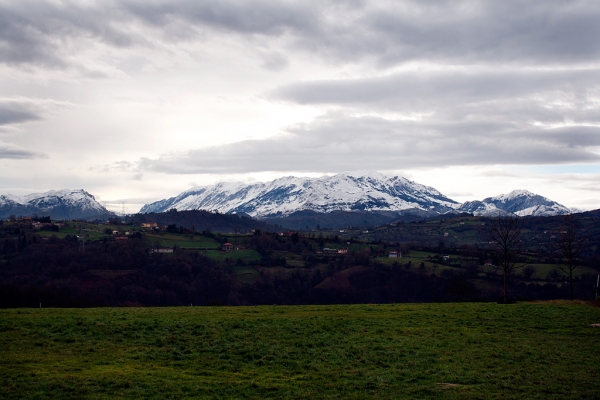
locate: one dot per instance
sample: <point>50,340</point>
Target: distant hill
<point>58,204</point>
<point>344,219</point>
<point>204,220</point>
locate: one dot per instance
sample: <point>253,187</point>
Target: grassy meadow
<point>468,350</point>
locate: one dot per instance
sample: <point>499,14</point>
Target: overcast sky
<point>137,101</point>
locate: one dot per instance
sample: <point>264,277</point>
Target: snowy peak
<point>518,202</point>
<point>348,191</point>
<point>363,190</point>
<point>60,204</point>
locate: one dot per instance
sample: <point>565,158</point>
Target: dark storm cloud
<point>339,142</point>
<point>457,32</point>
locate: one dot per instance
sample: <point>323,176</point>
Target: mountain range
<point>352,194</point>
<point>348,192</point>
<point>58,204</point>
<point>360,191</point>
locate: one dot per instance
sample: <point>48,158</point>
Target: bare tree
<point>505,235</point>
<point>568,246</point>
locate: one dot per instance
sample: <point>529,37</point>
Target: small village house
<point>227,247</point>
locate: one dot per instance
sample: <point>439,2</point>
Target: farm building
<point>227,247</point>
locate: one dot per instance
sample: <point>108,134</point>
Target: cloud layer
<point>339,142</point>
<point>391,32</point>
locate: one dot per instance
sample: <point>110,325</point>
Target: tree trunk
<point>505,287</point>
<point>571,282</point>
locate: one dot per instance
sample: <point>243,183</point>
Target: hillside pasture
<point>184,241</point>
<point>246,274</point>
<point>414,351</point>
<point>247,255</point>
<point>90,232</point>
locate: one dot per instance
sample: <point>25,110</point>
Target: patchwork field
<point>183,241</point>
<point>467,350</point>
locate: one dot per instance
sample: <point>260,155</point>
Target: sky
<point>136,101</point>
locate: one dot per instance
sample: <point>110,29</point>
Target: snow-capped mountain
<point>58,204</point>
<point>352,191</point>
<point>517,202</point>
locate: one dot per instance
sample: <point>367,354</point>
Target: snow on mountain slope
<point>64,203</point>
<point>365,191</point>
<point>517,202</point>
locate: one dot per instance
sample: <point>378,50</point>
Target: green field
<point>542,270</point>
<point>246,255</point>
<point>91,232</point>
<point>468,350</point>
<point>246,274</point>
<point>183,241</point>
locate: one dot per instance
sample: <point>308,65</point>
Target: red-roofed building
<point>227,247</point>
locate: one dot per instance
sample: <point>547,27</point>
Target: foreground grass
<point>362,351</point>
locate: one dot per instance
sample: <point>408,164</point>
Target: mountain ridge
<point>359,191</point>
<point>345,192</point>
<point>518,202</point>
<point>58,204</point>
<point>287,197</point>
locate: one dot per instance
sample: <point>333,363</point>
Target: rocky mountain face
<point>518,202</point>
<point>358,191</point>
<point>58,204</point>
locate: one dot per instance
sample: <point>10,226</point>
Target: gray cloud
<point>275,62</point>
<point>576,136</point>
<point>10,151</point>
<point>20,109</point>
<point>458,32</point>
<point>42,33</point>
<point>483,31</point>
<point>422,90</point>
<point>13,116</point>
<point>468,31</point>
<point>245,17</point>
<point>591,187</point>
<point>52,34</point>
<point>338,142</point>
<point>468,102</point>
